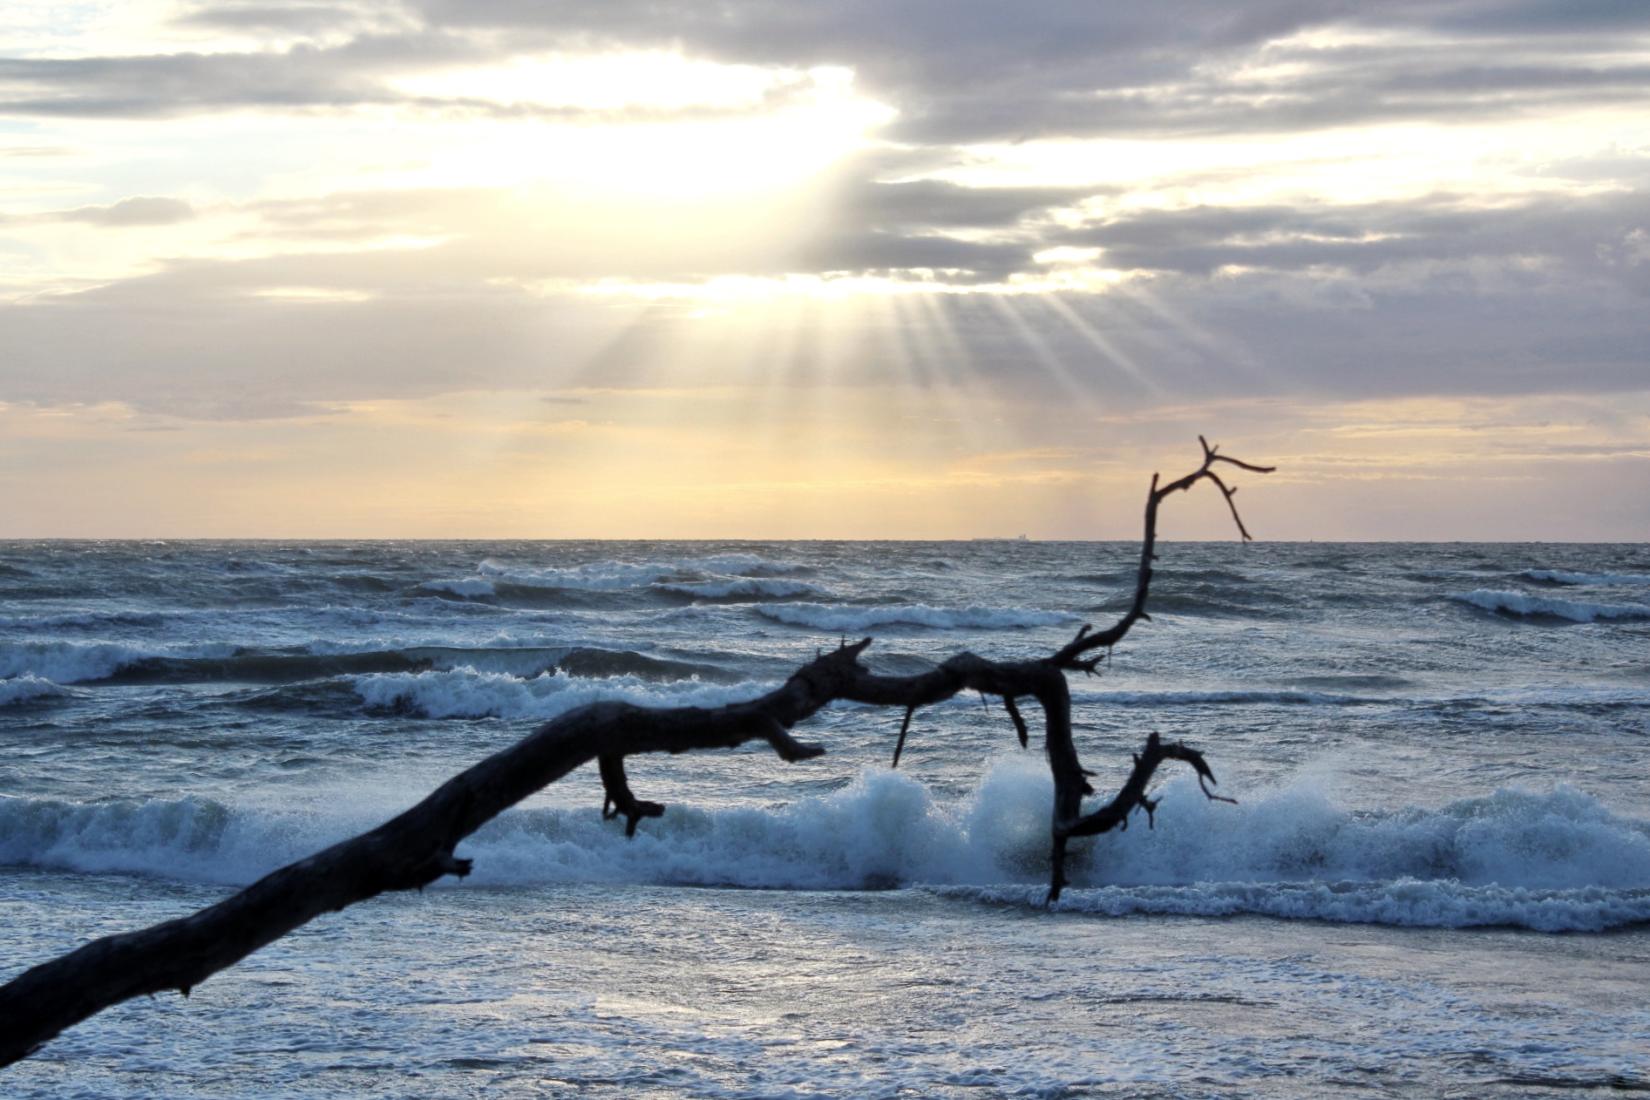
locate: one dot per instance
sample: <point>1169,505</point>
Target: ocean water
<point>1436,881</point>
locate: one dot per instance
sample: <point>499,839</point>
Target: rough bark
<point>417,847</point>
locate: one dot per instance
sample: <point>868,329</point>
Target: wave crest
<point>466,692</point>
<point>27,688</point>
<point>1556,861</point>
<point>1523,605</point>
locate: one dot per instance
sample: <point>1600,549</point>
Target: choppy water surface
<point>1437,881</point>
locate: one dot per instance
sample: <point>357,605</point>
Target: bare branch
<point>1018,720</point>
<point>619,801</point>
<point>1070,656</point>
<point>415,848</point>
<point>904,727</point>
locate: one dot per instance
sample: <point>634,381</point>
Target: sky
<point>790,269</point>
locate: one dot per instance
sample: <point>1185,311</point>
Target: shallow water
<point>1437,881</point>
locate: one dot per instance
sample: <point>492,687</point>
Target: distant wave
<point>68,662</point>
<point>89,620</point>
<point>1209,600</point>
<point>1527,606</point>
<point>1237,696</point>
<point>469,693</point>
<point>1565,577</point>
<point>715,577</point>
<point>1558,861</point>
<point>843,617</point>
<point>73,662</point>
<point>611,575</point>
<point>27,688</point>
<point>465,588</point>
<point>742,588</point>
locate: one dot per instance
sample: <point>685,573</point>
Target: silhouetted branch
<point>417,847</point>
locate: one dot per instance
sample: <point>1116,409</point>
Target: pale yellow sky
<point>398,269</point>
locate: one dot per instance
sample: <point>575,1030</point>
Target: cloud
<point>980,71</point>
<point>1585,236</point>
<point>127,213</point>
<point>130,212</point>
<point>1535,286</point>
<point>199,340</point>
<point>296,17</point>
<point>958,71</point>
<point>939,204</point>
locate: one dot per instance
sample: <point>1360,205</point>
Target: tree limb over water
<point>418,847</point>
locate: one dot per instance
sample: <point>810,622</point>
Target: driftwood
<point>416,848</point>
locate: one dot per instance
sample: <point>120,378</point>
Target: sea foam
<point>467,692</point>
<point>68,662</point>
<point>1525,605</point>
<point>1554,861</point>
<point>27,688</point>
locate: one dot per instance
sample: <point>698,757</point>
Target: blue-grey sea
<point>1436,881</point>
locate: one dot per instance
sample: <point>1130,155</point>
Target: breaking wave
<point>724,577</point>
<point>1556,861</point>
<point>27,688</point>
<point>470,693</point>
<point>1566,577</point>
<point>1526,606</point>
<point>68,662</point>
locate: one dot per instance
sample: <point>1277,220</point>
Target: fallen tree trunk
<point>417,847</point>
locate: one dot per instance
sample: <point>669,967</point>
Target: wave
<point>1262,696</point>
<point>1206,600</point>
<point>848,617</point>
<point>27,688</point>
<point>109,663</point>
<point>1526,606</point>
<point>1405,903</point>
<point>1556,861</point>
<point>608,576</point>
<point>726,577</point>
<point>472,693</point>
<point>742,588</point>
<point>89,620</point>
<point>68,662</point>
<point>465,588</point>
<point>1566,577</point>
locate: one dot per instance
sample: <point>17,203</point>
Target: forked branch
<point>417,847</point>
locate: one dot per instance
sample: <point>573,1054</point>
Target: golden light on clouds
<point>393,269</point>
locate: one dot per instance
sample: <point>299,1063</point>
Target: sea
<point>1435,881</point>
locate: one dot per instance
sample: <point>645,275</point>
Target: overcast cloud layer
<point>232,211</point>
